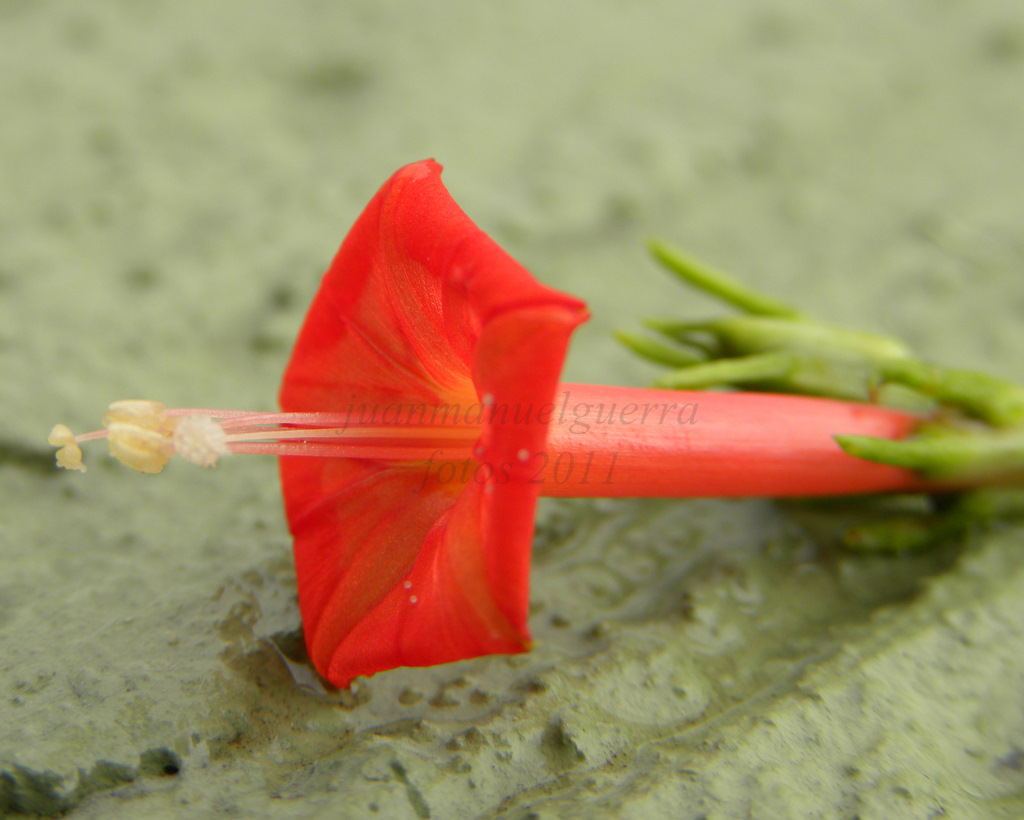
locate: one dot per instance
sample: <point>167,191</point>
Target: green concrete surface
<point>174,177</point>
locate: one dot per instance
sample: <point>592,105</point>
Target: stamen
<point>145,434</point>
<point>288,431</point>
<point>140,434</point>
<point>69,456</point>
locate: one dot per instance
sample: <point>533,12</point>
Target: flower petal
<point>413,563</point>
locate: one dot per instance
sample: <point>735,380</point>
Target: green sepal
<point>948,455</point>
<point>781,355</point>
<point>979,395</point>
<point>746,335</point>
<point>718,284</point>
<point>766,369</point>
<point>656,350</point>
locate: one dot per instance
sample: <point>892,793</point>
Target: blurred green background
<point>174,178</point>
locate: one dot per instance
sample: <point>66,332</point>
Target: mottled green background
<point>174,176</point>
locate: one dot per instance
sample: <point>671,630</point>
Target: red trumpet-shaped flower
<point>397,566</point>
<point>403,561</point>
<point>426,376</point>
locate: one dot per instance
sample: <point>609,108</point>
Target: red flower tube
<point>427,371</point>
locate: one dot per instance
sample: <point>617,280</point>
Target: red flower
<point>398,565</point>
<point>424,416</point>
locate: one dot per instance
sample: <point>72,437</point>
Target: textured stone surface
<point>173,179</point>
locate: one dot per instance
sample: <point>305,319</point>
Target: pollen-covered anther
<point>200,439</point>
<point>140,434</point>
<point>69,456</point>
